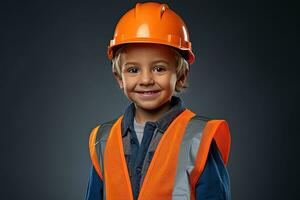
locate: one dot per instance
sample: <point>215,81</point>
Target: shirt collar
<point>162,124</point>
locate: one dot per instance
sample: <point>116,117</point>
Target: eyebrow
<point>131,63</point>
<point>156,61</point>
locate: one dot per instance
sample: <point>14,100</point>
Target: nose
<point>146,78</point>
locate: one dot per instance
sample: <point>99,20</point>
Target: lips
<point>148,92</point>
<point>147,95</point>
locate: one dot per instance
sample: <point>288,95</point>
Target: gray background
<point>56,84</point>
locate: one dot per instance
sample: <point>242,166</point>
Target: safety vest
<point>177,163</point>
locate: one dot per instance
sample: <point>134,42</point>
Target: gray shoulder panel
<point>187,154</point>
<point>100,142</point>
<point>195,127</point>
<point>201,118</point>
<point>104,130</point>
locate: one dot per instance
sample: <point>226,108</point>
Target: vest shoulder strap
<point>97,142</point>
<point>187,155</point>
<point>218,131</point>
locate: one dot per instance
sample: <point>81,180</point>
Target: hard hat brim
<point>186,52</point>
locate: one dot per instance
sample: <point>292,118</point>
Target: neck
<point>142,115</point>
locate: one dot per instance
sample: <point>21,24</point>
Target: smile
<point>148,94</point>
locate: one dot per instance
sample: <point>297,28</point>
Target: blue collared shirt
<point>213,184</point>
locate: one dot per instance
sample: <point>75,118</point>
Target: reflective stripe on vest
<point>176,165</point>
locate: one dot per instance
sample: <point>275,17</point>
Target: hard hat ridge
<point>140,9</point>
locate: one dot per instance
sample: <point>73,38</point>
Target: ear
<point>182,79</point>
<point>118,79</point>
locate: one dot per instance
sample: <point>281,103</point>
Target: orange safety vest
<point>177,163</point>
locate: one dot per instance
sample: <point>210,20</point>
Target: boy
<point>158,149</point>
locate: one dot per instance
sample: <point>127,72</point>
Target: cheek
<point>128,83</point>
<point>170,82</point>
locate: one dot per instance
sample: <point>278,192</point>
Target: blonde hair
<point>182,68</point>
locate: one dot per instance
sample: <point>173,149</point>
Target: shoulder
<point>98,137</point>
<point>210,131</point>
<point>201,121</point>
<point>101,131</point>
<point>197,124</point>
<point>201,118</point>
<point>107,124</point>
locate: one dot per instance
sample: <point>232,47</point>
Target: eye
<point>133,69</point>
<point>159,68</point>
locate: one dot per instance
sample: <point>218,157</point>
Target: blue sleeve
<point>214,183</point>
<point>95,187</point>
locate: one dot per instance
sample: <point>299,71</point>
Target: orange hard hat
<point>152,23</point>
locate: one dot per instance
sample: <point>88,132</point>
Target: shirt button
<point>138,170</point>
<point>132,141</point>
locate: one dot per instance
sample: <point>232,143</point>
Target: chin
<point>148,106</point>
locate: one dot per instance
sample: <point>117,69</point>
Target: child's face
<point>148,75</point>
